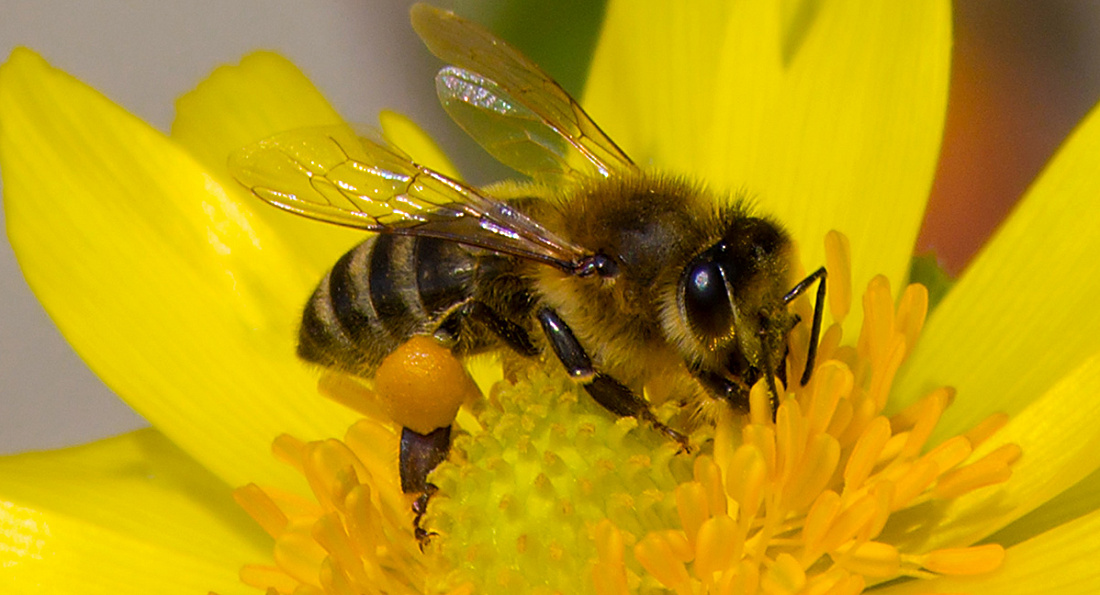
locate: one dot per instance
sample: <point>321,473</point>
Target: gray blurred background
<point>1024,73</point>
<point>361,53</point>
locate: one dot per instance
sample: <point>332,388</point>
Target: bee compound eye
<point>706,300</point>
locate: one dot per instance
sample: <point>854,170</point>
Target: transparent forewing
<point>513,134</point>
<point>516,81</point>
<point>331,174</point>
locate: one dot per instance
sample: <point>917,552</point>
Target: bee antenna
<point>818,276</point>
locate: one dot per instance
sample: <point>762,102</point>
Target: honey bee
<point>626,276</point>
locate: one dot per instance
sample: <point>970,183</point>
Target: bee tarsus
<point>419,455</point>
<point>420,508</point>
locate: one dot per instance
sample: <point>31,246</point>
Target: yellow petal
<point>131,514</point>
<point>1077,501</point>
<point>1024,313</point>
<point>236,105</point>
<point>652,79</point>
<point>830,114</point>
<point>173,292</point>
<point>1059,437</point>
<point>242,104</point>
<point>1062,561</point>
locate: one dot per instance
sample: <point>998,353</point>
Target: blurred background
<point>1024,74</point>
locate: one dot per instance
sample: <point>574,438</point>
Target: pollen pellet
<point>422,385</point>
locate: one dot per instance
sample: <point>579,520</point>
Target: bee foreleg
<point>819,310</point>
<point>733,390</point>
<point>608,392</point>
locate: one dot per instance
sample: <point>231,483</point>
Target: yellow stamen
<point>545,492</point>
<point>871,558</point>
<point>663,555</point>
<point>964,561</point>
<point>784,576</point>
<point>812,494</point>
<point>609,572</point>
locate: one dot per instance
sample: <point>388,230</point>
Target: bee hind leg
<point>420,454</point>
<point>511,333</point>
<point>608,392</point>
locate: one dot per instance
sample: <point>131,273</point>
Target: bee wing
<point>509,105</point>
<point>331,174</point>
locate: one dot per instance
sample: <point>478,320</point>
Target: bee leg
<point>819,310</point>
<point>514,335</point>
<point>420,453</point>
<point>420,507</point>
<point>734,391</point>
<point>608,392</point>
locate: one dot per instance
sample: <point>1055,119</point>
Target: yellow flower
<point>182,293</point>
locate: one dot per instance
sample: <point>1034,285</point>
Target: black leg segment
<point>733,390</point>
<point>565,345</point>
<point>514,335</point>
<point>420,453</point>
<point>819,310</point>
<point>608,392</point>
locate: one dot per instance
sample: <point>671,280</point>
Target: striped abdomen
<point>379,294</point>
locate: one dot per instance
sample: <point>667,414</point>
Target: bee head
<point>731,294</point>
